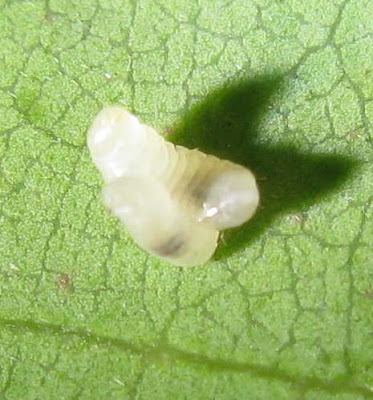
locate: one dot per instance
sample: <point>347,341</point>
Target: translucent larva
<point>172,200</point>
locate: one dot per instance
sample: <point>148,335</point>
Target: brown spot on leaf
<point>369,293</point>
<point>64,282</point>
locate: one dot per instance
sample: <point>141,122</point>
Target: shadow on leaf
<point>226,124</point>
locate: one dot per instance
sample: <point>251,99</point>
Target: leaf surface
<point>285,309</point>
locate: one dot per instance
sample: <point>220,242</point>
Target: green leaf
<point>285,309</point>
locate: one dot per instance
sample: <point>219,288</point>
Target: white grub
<point>172,200</point>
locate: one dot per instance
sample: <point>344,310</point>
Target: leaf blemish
<point>64,282</point>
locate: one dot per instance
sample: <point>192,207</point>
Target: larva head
<point>231,200</point>
<point>115,140</point>
<point>107,129</point>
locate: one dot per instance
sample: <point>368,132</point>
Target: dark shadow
<point>226,124</point>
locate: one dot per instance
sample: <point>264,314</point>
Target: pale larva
<point>173,201</point>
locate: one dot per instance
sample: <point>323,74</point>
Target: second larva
<point>172,200</point>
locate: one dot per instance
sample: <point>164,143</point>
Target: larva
<point>172,200</point>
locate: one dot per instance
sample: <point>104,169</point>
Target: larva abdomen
<point>157,224</point>
<point>173,201</point>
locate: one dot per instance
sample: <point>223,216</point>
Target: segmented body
<point>173,200</point>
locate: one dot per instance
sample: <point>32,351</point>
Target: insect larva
<point>173,201</point>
